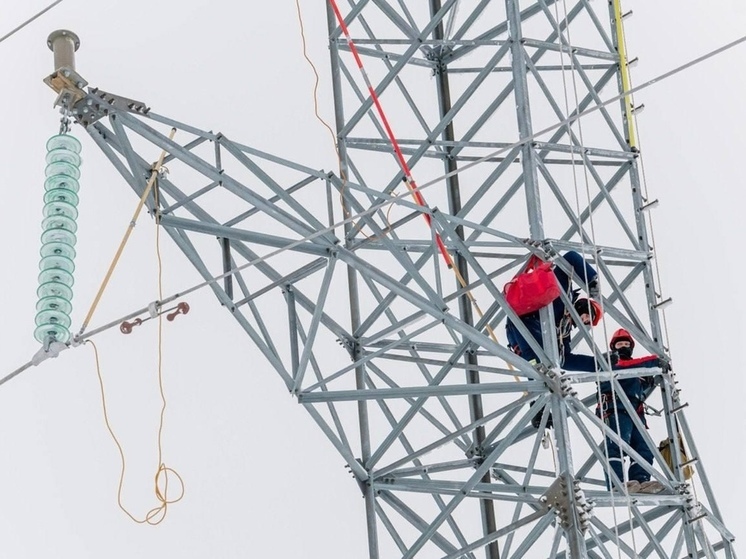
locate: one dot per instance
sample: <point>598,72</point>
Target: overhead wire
<point>420,188</point>
<point>393,199</point>
<point>31,19</point>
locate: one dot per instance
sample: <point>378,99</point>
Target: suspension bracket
<point>85,107</point>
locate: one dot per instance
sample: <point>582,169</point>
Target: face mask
<point>624,352</point>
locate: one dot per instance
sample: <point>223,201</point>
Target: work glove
<point>594,289</point>
<point>611,357</point>
<point>665,363</point>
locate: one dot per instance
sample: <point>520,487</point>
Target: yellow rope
<point>157,514</point>
<point>125,238</point>
<point>342,174</point>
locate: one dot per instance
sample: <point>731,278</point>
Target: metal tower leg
<point>431,412</point>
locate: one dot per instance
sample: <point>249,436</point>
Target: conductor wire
<point>392,199</point>
<point>31,19</point>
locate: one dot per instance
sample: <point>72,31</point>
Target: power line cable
<point>392,199</point>
<point>25,23</point>
<point>593,109</point>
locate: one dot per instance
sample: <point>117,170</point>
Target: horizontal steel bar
<point>389,55</point>
<point>242,235</point>
<point>541,68</point>
<point>603,498</point>
<point>581,51</point>
<point>290,278</point>
<point>422,391</point>
<point>431,468</point>
<point>427,42</point>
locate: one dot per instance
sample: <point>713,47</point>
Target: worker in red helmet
<point>622,343</point>
<point>588,310</point>
<point>615,415</point>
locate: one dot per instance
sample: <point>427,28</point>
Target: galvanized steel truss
<point>375,336</point>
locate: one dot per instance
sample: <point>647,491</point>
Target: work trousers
<point>622,424</point>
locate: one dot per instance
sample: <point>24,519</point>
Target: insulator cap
<point>63,44</point>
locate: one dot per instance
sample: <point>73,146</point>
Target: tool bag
<point>532,288</point>
<point>666,449</point>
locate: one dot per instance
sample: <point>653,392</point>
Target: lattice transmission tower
<point>381,308</point>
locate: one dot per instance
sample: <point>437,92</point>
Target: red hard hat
<point>619,336</point>
<point>591,307</point>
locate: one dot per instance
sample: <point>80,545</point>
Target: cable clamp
<point>48,350</point>
<point>153,309</point>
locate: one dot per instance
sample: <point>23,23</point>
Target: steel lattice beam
<point>409,380</point>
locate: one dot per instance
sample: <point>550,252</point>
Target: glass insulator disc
<point>61,181</point>
<point>65,155</point>
<point>59,304</point>
<point>53,317</point>
<point>56,275</point>
<point>58,236</point>
<point>55,331</point>
<point>63,141</point>
<point>54,289</point>
<point>59,222</point>
<point>61,195</point>
<point>62,168</point>
<point>57,249</point>
<point>57,263</point>
<point>57,207</point>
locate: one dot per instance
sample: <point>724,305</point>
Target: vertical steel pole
<point>362,407</point>
<point>528,159</point>
<point>489,520</point>
<point>575,540</point>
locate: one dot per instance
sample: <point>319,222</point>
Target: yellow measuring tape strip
<point>624,69</point>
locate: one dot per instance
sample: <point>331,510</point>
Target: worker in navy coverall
<point>617,418</point>
<point>588,310</point>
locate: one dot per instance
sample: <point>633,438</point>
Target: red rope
<point>389,132</point>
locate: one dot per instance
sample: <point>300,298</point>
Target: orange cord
<point>157,514</point>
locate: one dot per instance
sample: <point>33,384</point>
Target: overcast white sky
<point>260,478</point>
